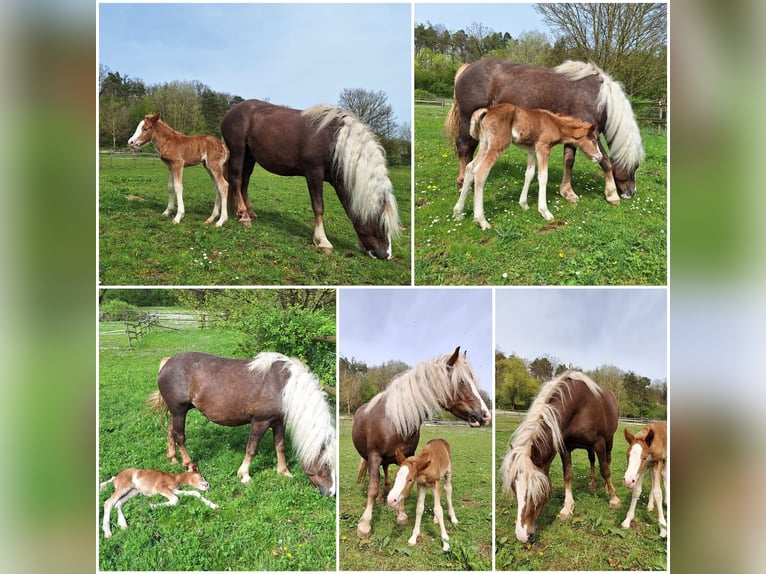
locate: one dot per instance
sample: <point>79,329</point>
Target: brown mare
<point>270,390</point>
<point>536,131</point>
<point>569,412</point>
<point>391,420</point>
<point>178,151</point>
<point>133,481</point>
<point>322,143</point>
<point>647,451</point>
<point>426,469</point>
<point>576,89</point>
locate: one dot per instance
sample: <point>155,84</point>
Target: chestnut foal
<point>647,450</point>
<point>425,469</point>
<point>133,481</point>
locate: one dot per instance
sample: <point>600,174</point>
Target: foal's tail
<point>476,118</point>
<point>105,484</point>
<point>362,471</point>
<point>452,121</point>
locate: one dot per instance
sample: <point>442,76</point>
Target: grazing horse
<point>536,131</point>
<point>577,89</point>
<point>178,151</point>
<point>133,481</point>
<point>569,412</point>
<point>426,469</point>
<point>391,420</point>
<point>322,143</point>
<point>270,390</point>
<point>647,450</point>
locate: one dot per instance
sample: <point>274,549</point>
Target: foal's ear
<point>649,437</point>
<point>400,458</point>
<point>193,468</point>
<point>153,117</point>
<point>592,130</point>
<point>453,359</point>
<point>629,436</point>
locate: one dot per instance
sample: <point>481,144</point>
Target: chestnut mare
<point>178,151</point>
<point>536,131</point>
<point>270,390</point>
<point>569,412</point>
<point>322,143</point>
<point>647,451</point>
<point>577,89</point>
<point>391,420</point>
<point>133,481</point>
<point>426,469</point>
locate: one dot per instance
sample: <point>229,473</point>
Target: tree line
<point>628,41</point>
<point>192,107</point>
<point>518,380</point>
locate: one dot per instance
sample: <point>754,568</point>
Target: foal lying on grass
<point>133,481</point>
<point>536,131</point>
<point>426,470</point>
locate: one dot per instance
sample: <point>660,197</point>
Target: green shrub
<point>117,310</point>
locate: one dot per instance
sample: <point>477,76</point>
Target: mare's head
<point>625,179</point>
<point>322,474</point>
<point>465,401</point>
<point>638,454</point>
<point>532,487</point>
<point>144,131</point>
<point>406,477</point>
<point>194,478</point>
<point>378,228</point>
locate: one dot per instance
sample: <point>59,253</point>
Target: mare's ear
<point>453,359</point>
<point>649,437</point>
<point>400,458</point>
<point>629,436</point>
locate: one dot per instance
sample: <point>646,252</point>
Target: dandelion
<point>505,275</point>
<point>561,254</point>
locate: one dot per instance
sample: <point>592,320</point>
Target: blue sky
<point>413,325</point>
<point>513,18</point>
<point>296,55</point>
<point>586,327</point>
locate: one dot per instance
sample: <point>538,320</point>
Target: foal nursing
<point>133,481</point>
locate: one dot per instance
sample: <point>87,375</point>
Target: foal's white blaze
<point>399,482</point>
<point>521,496</point>
<point>134,139</point>
<point>634,464</point>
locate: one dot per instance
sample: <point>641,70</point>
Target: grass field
<point>589,243</point>
<point>592,538</point>
<point>387,549</point>
<point>273,523</point>
<point>139,246</point>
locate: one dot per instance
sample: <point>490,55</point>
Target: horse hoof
<point>246,222</point>
<point>615,503</point>
<point>363,531</point>
<point>615,200</point>
<point>401,521</point>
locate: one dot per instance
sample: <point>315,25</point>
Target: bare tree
<point>372,108</point>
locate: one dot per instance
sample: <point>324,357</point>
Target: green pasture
<point>139,246</point>
<point>387,548</point>
<point>589,243</point>
<point>273,523</point>
<point>592,538</point>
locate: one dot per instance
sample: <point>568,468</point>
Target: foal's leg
<point>108,511</point>
<point>257,429</point>
<point>171,193</point>
<point>221,194</point>
<point>315,181</point>
<point>529,174</point>
<point>419,508</point>
<point>373,489</point>
<point>439,515</point>
<point>566,461</point>
<point>448,490</point>
<point>543,153</point>
<point>123,499</point>
<point>212,505</point>
<point>656,495</point>
<point>592,460</point>
<point>178,169</point>
<point>482,169</point>
<point>467,179</point>
<point>278,428</point>
<point>633,500</point>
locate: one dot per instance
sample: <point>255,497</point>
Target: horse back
<point>586,418</point>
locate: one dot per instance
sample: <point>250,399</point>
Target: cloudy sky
<point>296,55</point>
<point>500,17</point>
<point>586,327</point>
<point>413,325</point>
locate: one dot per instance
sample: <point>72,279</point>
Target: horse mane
<point>533,430</point>
<point>417,394</point>
<point>360,161</point>
<point>622,133</point>
<point>304,405</point>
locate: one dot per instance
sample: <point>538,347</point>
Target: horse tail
<point>621,130</point>
<point>362,472</point>
<point>157,404</point>
<point>106,483</point>
<point>452,121</point>
<point>476,118</point>
<point>360,162</point>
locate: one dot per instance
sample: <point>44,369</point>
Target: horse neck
<point>163,134</point>
<point>416,395</point>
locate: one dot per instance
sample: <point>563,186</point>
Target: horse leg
<point>221,195</point>
<point>171,193</point>
<point>656,495</point>
<point>278,429</point>
<point>373,489</point>
<point>633,500</point>
<point>566,461</point>
<point>448,491</point>
<point>315,181</point>
<point>234,175</point>
<point>543,153</point>
<point>386,484</point>
<point>465,146</point>
<point>419,508</point>
<point>610,187</point>
<point>123,499</point>
<point>604,453</point>
<point>257,430</point>
<point>171,454</point>
<point>439,516</point>
<point>468,177</point>
<point>178,423</point>
<point>247,172</point>
<point>529,174</point>
<point>566,190</point>
<point>482,169</point>
<point>178,168</point>
<point>107,512</point>
<point>592,460</point>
